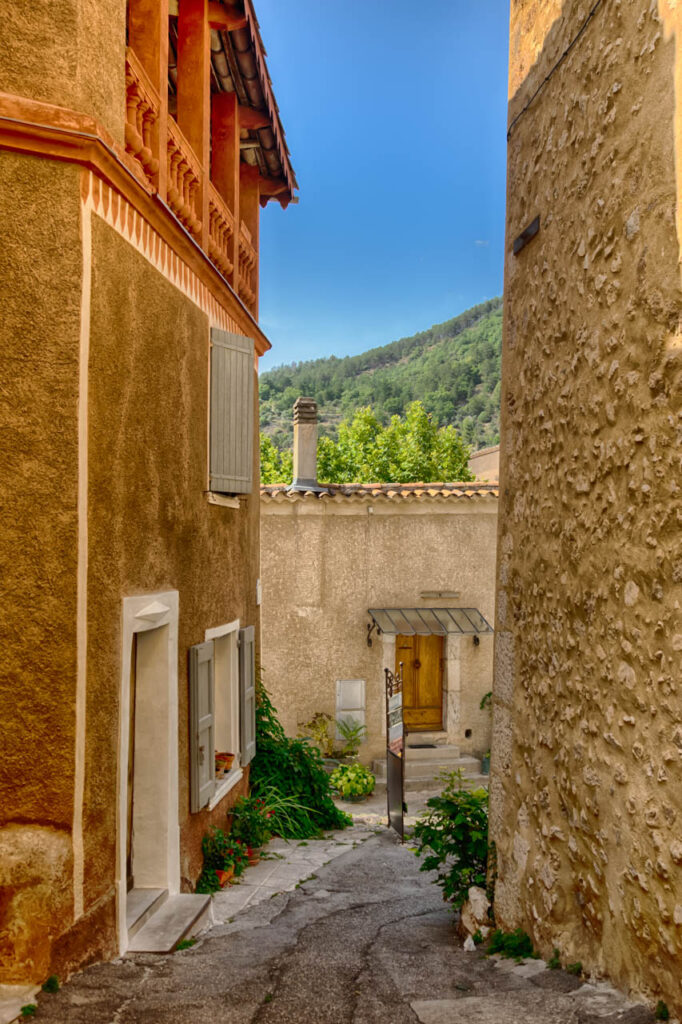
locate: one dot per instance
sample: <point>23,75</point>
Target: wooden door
<point>422,658</point>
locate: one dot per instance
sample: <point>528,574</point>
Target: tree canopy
<point>409,449</point>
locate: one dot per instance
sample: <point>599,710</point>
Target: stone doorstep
<point>179,917</point>
<point>140,905</point>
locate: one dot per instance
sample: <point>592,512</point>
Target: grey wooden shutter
<point>247,693</point>
<point>232,426</point>
<point>201,718</point>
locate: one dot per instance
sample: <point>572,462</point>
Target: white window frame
<point>226,702</point>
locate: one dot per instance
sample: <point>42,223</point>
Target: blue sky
<point>395,115</point>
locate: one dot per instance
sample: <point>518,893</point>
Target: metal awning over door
<point>430,621</point>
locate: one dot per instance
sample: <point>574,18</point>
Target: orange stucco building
<point>138,142</point>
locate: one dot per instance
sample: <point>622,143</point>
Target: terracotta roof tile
<point>389,491</point>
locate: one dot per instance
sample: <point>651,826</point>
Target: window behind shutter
<point>202,744</point>
<point>231,454</point>
<point>247,692</point>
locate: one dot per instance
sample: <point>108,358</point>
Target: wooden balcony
<point>142,114</point>
<point>248,263</point>
<point>184,175</point>
<point>221,232</point>
<point>220,213</point>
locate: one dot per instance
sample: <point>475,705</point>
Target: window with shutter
<point>201,703</point>
<point>247,692</point>
<point>232,421</point>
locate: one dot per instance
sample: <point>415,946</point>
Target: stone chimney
<point>305,446</point>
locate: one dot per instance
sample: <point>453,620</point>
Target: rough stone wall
<point>324,564</point>
<point>586,799</point>
<point>39,332</point>
<point>67,52</point>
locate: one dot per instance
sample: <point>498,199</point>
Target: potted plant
<point>353,733</point>
<point>223,763</point>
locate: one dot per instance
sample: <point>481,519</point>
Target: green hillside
<point>453,368</point>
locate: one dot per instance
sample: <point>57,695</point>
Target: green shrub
<point>29,1010</point>
<point>661,1012</point>
<point>516,945</point>
<point>576,968</point>
<point>452,837</point>
<point>52,984</point>
<point>352,781</point>
<point>554,963</point>
<point>288,774</point>
<point>251,821</point>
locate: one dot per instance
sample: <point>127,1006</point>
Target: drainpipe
<point>305,446</point>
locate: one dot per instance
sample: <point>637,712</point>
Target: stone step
<point>179,917</point>
<point>441,754</point>
<point>424,774</point>
<point>439,738</point>
<point>140,905</point>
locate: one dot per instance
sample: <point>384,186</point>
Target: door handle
<point>201,754</point>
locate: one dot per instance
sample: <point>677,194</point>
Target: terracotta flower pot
<point>224,877</point>
<point>254,855</point>
<point>226,760</point>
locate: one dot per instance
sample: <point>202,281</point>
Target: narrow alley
<point>367,939</point>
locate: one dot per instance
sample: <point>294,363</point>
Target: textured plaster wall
<point>67,52</point>
<point>39,332</point>
<point>150,524</point>
<point>586,798</point>
<point>324,564</point>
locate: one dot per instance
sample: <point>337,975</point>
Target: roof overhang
<point>430,621</point>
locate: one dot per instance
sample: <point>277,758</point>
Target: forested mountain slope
<point>453,368</point>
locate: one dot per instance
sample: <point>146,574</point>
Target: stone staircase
<point>426,756</point>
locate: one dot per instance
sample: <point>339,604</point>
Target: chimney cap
<point>305,410</point>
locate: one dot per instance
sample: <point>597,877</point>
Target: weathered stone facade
<point>586,799</point>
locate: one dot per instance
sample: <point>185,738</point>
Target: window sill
<point>222,499</point>
<point>226,784</point>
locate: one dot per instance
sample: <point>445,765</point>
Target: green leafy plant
<point>288,774</point>
<point>451,835</point>
<point>185,944</point>
<point>319,730</point>
<point>353,781</point>
<point>516,945</point>
<point>576,968</point>
<point>554,963</point>
<point>486,701</point>
<point>353,733</point>
<point>29,1010</point>
<point>661,1012</point>
<point>477,937</point>
<point>251,821</point>
<point>52,984</point>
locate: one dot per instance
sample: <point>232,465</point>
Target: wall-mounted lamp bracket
<point>371,626</point>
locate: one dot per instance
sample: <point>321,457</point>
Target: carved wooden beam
<point>221,17</point>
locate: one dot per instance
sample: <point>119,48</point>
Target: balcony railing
<point>247,266</point>
<point>152,135</point>
<point>142,113</point>
<point>184,173</point>
<point>221,232</point>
